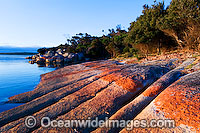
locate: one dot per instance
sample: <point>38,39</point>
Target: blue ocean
<point>17,76</point>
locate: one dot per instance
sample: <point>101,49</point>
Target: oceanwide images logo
<point>46,122</point>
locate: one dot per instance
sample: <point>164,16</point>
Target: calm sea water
<point>17,76</point>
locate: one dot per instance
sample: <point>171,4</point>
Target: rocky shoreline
<point>164,88</point>
<point>56,58</point>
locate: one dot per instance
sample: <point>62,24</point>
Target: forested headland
<point>161,28</point>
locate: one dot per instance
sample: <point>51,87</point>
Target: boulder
<point>40,61</point>
<point>66,55</point>
<point>71,55</point>
<point>58,59</point>
<point>49,53</point>
<point>35,56</point>
<point>30,57</point>
<point>80,56</point>
<point>60,51</point>
<point>49,60</point>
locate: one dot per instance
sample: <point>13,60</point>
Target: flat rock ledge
<point>109,89</point>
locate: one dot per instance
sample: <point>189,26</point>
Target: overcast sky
<point>29,23</point>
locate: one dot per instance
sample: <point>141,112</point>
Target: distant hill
<point>5,49</point>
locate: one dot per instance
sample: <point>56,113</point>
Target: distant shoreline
<point>18,53</point>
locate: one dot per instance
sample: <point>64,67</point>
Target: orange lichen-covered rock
<point>112,98</point>
<point>94,89</point>
<point>136,76</point>
<point>182,101</point>
<point>162,83</point>
<point>179,102</point>
<point>112,77</point>
<point>129,84</point>
<point>130,110</point>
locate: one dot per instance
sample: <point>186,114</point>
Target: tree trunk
<point>175,36</point>
<point>159,46</point>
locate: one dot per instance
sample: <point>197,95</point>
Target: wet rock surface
<point>109,89</point>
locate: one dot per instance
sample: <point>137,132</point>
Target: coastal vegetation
<point>159,29</point>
